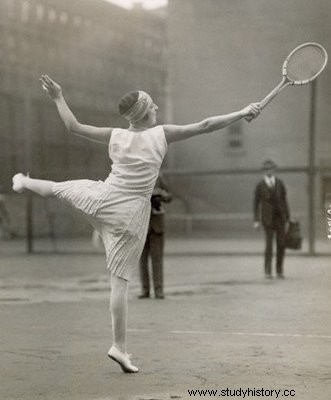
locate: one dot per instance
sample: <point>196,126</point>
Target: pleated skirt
<point>120,218</point>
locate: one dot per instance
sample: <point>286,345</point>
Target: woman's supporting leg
<point>42,187</point>
<point>119,314</point>
<point>119,311</point>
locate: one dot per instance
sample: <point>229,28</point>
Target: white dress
<point>119,207</point>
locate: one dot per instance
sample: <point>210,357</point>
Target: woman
<point>119,207</point>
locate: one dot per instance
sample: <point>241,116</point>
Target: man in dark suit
<point>271,209</point>
<point>154,244</point>
<point>6,231</point>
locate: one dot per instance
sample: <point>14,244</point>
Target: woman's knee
<point>119,290</point>
<point>118,283</point>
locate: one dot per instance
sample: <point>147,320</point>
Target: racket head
<point>305,63</point>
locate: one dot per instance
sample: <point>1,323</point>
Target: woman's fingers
<point>255,109</point>
<point>45,88</point>
<point>43,81</point>
<point>52,88</point>
<point>51,82</point>
<point>47,80</point>
<point>43,85</point>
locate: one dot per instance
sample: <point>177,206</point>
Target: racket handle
<point>274,92</point>
<point>271,95</point>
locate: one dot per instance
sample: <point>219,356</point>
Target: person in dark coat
<point>6,231</point>
<point>272,211</point>
<point>154,244</point>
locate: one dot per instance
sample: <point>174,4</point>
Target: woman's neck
<point>139,127</point>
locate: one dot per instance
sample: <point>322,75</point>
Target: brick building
<point>96,51</point>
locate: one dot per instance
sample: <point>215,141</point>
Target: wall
<point>224,55</point>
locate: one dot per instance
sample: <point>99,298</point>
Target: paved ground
<point>221,326</point>
<point>250,243</point>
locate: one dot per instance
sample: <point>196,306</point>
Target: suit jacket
<point>156,222</point>
<point>267,203</point>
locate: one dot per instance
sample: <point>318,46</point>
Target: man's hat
<point>269,164</point>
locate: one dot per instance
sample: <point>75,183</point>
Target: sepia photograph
<point>165,199</point>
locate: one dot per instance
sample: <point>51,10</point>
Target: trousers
<point>276,229</point>
<point>153,250</point>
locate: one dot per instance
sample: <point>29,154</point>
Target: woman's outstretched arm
<point>175,133</point>
<point>93,133</point>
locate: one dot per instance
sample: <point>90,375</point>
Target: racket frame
<point>305,81</point>
<point>286,81</point>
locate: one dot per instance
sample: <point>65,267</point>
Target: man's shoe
<point>159,296</point>
<point>144,296</point>
<point>280,276</point>
<point>268,276</point>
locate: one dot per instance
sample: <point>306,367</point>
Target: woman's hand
<point>252,111</point>
<point>52,88</point>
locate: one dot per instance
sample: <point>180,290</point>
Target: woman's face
<point>152,114</point>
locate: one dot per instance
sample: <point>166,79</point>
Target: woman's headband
<point>139,108</point>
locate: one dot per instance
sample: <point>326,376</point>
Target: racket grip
<point>270,96</point>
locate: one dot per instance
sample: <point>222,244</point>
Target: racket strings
<point>305,63</point>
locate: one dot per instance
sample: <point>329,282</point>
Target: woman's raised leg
<point>42,187</point>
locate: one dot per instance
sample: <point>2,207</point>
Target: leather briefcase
<point>293,236</point>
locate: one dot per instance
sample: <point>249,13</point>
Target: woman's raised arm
<point>93,133</point>
<point>175,133</point>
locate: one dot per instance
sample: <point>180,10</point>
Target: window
<point>87,23</point>
<point>77,20</point>
<point>11,8</point>
<point>64,17</point>
<point>51,54</point>
<point>40,12</point>
<point>235,138</point>
<point>11,40</point>
<point>52,15</point>
<point>25,11</point>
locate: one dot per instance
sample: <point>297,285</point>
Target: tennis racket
<point>301,66</point>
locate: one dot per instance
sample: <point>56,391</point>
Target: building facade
<point>97,51</point>
<point>224,55</point>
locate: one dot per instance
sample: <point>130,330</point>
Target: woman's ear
<point>145,118</point>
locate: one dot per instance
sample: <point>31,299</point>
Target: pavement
<point>222,327</point>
